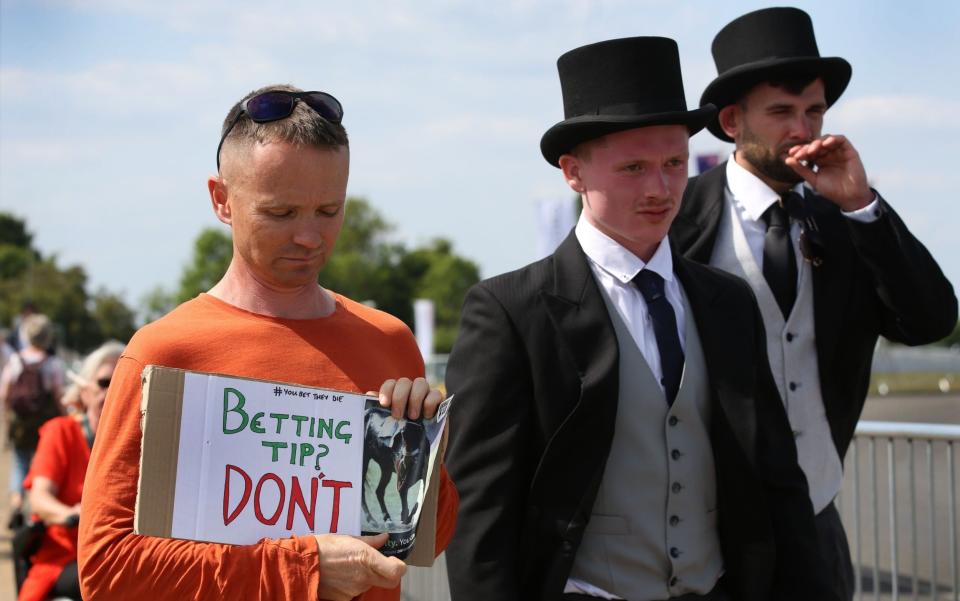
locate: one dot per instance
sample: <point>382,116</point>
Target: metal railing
<point>904,553</point>
<point>909,550</point>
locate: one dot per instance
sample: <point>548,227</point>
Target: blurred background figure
<point>55,480</point>
<point>31,385</point>
<point>16,339</point>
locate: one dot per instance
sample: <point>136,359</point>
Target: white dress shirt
<point>752,197</point>
<point>614,268</point>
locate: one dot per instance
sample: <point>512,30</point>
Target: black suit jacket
<point>535,373</point>
<point>876,279</point>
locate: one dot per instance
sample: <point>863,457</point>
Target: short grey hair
<point>108,352</point>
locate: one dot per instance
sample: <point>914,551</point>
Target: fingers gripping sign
<point>838,175</point>
<point>409,398</point>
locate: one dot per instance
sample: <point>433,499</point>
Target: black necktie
<point>664,320</point>
<point>779,261</point>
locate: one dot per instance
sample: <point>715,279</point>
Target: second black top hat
<point>765,44</point>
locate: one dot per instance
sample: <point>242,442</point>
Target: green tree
<point>15,262</point>
<point>115,320</point>
<point>364,263</point>
<point>444,278</point>
<point>156,303</point>
<point>367,266</point>
<point>13,232</point>
<point>212,252</point>
<point>81,320</point>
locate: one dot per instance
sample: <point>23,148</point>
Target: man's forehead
<point>272,156</point>
<point>770,92</point>
<point>660,138</point>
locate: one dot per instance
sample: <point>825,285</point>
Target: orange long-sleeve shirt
<point>354,349</point>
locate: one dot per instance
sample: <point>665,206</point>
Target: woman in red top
<point>55,480</point>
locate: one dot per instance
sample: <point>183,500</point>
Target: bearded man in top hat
<point>617,433</point>
<point>832,265</point>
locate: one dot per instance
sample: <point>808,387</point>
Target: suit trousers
<point>835,552</point>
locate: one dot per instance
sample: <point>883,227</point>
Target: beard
<point>767,160</point>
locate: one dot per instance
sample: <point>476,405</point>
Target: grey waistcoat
<point>792,350</point>
<point>653,527</point>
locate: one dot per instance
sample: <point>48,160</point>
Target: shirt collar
<point>616,260</point>
<point>749,192</point>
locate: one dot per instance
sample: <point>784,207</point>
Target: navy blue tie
<point>664,320</point>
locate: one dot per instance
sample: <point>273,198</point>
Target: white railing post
<point>953,521</point>
<point>913,434</point>
<point>892,488</point>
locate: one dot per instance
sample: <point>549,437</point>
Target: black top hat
<point>616,85</point>
<point>766,44</point>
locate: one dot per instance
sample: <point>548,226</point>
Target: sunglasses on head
<point>277,105</point>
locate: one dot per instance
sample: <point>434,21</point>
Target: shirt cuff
<point>867,214</point>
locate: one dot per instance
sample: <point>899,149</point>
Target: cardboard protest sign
<point>234,460</point>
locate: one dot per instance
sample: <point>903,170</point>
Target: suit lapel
<point>723,348</point>
<point>580,315</point>
<point>582,442</point>
<point>694,230</point>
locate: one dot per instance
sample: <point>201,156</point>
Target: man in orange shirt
<point>283,163</point>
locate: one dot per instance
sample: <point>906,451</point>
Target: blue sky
<point>110,111</point>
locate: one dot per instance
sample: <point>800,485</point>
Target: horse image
<point>398,447</point>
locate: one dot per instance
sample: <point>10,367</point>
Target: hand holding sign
<point>351,565</point>
<point>410,396</point>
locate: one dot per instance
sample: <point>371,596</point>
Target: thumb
<point>376,541</point>
<point>390,570</point>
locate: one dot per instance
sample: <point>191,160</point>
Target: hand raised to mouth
<point>832,167</point>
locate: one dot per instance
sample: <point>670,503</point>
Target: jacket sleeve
<point>115,563</point>
<point>799,573</point>
<point>488,455</point>
<point>918,303</point>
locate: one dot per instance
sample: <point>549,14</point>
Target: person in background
<point>6,351</point>
<point>55,480</point>
<point>15,338</point>
<point>31,385</point>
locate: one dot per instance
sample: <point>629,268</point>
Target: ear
<point>570,165</point>
<point>219,199</point>
<point>730,118</point>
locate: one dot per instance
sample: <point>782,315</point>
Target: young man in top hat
<point>832,265</point>
<point>617,433</point>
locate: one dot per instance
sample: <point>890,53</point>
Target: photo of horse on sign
<point>396,456</point>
